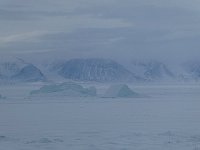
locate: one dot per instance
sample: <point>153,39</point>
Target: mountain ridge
<point>98,70</point>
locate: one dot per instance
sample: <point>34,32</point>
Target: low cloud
<point>158,29</point>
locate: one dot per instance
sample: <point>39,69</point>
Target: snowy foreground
<point>168,119</point>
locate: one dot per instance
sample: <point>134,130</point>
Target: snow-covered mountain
<point>98,70</point>
<point>192,70</point>
<point>94,69</point>
<point>29,73</point>
<point>152,70</point>
<point>18,70</point>
<point>106,70</point>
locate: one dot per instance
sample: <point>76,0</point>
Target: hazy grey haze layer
<point>120,29</point>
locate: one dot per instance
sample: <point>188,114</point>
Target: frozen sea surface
<point>169,119</point>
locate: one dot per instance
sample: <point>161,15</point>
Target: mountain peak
<point>95,69</point>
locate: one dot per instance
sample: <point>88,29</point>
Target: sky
<point>167,30</point>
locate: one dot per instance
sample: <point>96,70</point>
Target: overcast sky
<point>161,29</point>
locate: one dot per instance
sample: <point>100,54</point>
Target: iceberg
<point>120,90</point>
<point>70,89</point>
